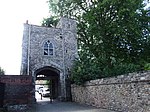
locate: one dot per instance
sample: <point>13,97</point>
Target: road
<point>44,105</point>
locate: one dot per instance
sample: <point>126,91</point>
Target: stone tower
<point>50,52</point>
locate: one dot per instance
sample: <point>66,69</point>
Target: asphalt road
<point>44,105</point>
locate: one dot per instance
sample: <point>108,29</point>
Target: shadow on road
<point>44,105</point>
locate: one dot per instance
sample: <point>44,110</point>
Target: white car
<point>38,87</point>
<point>44,91</point>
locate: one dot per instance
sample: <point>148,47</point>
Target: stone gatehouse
<point>50,52</point>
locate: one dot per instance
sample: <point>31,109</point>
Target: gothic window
<point>48,48</point>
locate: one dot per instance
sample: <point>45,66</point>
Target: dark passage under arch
<point>51,75</point>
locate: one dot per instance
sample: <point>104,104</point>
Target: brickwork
<point>125,93</point>
<point>17,89</point>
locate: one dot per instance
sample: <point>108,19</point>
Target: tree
<point>2,72</point>
<point>62,8</point>
<point>112,35</point>
<point>50,22</point>
<point>57,9</point>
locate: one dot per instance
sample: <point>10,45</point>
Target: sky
<point>13,14</point>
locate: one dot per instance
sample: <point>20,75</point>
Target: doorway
<point>47,83</point>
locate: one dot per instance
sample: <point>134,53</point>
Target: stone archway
<point>50,74</point>
<point>58,59</point>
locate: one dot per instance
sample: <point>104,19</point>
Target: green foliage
<point>114,30</point>
<point>147,66</point>
<point>2,72</point>
<point>50,22</point>
<point>121,68</point>
<point>113,36</point>
<point>85,70</point>
<point>113,33</point>
<point>48,83</point>
<point>60,8</point>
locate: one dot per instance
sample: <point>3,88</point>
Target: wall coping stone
<point>135,77</point>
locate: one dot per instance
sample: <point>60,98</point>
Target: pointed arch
<point>48,48</point>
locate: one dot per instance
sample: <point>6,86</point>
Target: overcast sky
<point>13,13</point>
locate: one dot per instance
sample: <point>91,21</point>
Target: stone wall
<point>17,90</point>
<point>64,51</point>
<point>125,93</point>
<point>64,41</point>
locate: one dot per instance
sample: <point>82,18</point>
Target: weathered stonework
<point>125,93</point>
<point>64,42</point>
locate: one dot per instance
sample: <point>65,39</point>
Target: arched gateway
<point>49,53</point>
